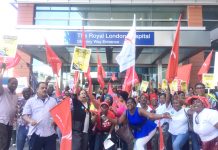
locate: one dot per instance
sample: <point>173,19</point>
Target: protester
<point>205,122</point>
<point>190,91</point>
<point>143,102</point>
<point>8,105</point>
<point>139,121</point>
<point>104,127</point>
<point>22,126</point>
<point>81,121</point>
<point>120,105</point>
<point>178,125</point>
<point>36,113</point>
<point>163,107</point>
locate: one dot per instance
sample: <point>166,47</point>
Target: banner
<point>126,58</point>
<point>81,57</point>
<point>144,85</point>
<point>208,80</point>
<point>8,46</point>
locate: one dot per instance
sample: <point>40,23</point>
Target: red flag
<point>174,56</point>
<point>184,72</point>
<point>57,89</point>
<point>11,61</point>
<point>161,139</point>
<point>53,59</point>
<point>87,74</point>
<point>75,79</point>
<point>206,66</point>
<point>62,117</point>
<point>101,73</point>
<point>110,91</point>
<point>130,79</point>
<point>83,38</point>
<point>113,77</point>
<point>89,78</point>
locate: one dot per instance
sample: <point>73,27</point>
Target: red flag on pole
<point>53,59</point>
<point>101,73</point>
<point>131,78</point>
<point>205,67</point>
<point>161,138</point>
<point>174,56</point>
<point>62,117</point>
<point>184,72</point>
<point>75,80</point>
<point>83,38</point>
<point>11,61</point>
<point>110,91</point>
<point>87,74</point>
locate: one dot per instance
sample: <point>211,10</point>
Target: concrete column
<point>159,71</point>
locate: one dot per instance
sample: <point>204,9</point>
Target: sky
<point>8,17</point>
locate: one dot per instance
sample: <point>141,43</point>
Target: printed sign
<point>144,85</point>
<point>81,57</point>
<point>8,46</point>
<point>107,38</point>
<point>208,80</point>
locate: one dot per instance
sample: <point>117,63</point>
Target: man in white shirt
<point>36,113</point>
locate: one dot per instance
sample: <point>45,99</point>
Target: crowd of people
<point>188,120</point>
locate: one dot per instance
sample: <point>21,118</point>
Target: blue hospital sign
<point>94,38</point>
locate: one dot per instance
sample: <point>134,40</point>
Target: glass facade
<point>210,17</point>
<point>102,15</point>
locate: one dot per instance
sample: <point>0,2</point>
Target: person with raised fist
<point>8,107</point>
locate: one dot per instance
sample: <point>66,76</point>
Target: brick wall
<point>21,69</point>
<point>195,18</point>
<point>25,14</point>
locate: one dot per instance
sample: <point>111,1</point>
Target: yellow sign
<point>174,86</point>
<point>208,80</point>
<point>184,86</point>
<point>164,84</point>
<point>144,85</point>
<point>81,57</point>
<point>8,46</point>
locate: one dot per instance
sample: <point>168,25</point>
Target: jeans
<point>42,143</point>
<point>80,140</point>
<point>195,141</point>
<point>179,140</point>
<point>99,140</point>
<point>5,136</point>
<point>22,131</point>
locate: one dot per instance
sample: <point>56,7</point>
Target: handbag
<point>125,133</point>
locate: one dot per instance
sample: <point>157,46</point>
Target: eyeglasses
<point>200,87</point>
<point>197,119</point>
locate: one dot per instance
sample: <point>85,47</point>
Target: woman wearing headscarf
<point>137,118</point>
<point>205,122</point>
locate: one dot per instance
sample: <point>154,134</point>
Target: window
<point>104,15</point>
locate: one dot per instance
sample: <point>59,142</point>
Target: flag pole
<point>134,58</point>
